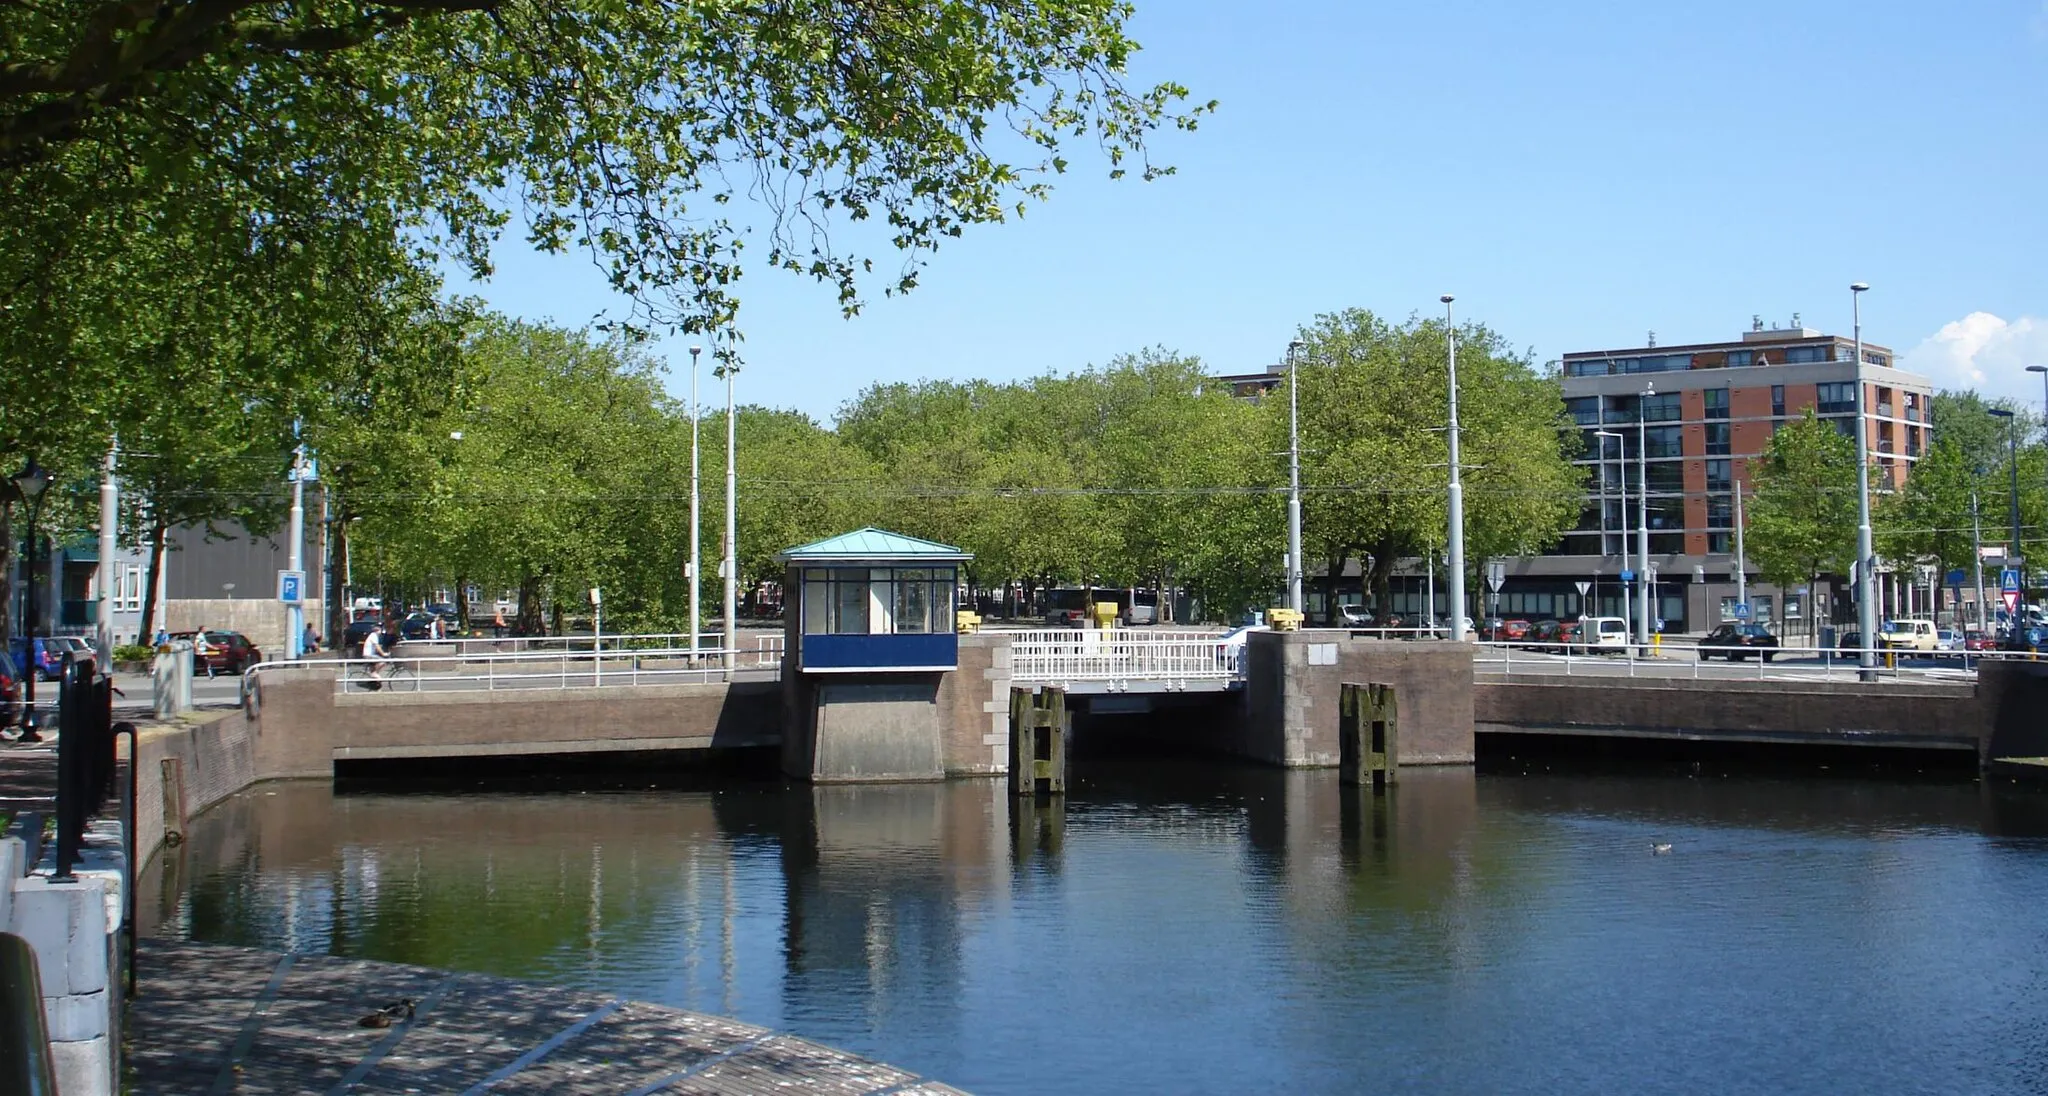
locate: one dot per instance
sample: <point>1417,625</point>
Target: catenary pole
<point>1866,557</point>
<point>1456,565</point>
<point>696,567</point>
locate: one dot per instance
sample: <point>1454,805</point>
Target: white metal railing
<point>488,672</point>
<point>1684,660</point>
<point>486,645</point>
<point>768,652</point>
<point>1064,655</point>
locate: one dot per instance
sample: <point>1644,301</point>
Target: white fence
<point>557,669</point>
<point>1058,656</point>
<point>1686,661</point>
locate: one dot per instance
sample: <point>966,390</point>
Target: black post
<point>2012,436</point>
<point>32,666</point>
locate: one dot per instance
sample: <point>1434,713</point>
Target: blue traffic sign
<point>1955,577</point>
<point>291,587</point>
<point>2009,579</point>
<point>1742,610</point>
<point>1628,576</point>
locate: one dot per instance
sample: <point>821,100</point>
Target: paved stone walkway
<point>235,1020</point>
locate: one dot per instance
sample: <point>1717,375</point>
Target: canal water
<point>1205,928</point>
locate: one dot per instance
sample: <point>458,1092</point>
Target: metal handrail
<point>1120,654</point>
<point>1579,659</point>
<point>489,672</point>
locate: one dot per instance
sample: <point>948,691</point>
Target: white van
<point>1600,635</point>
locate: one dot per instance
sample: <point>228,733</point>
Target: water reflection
<point>1204,928</point>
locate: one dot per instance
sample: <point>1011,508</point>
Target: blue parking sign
<point>291,587</point>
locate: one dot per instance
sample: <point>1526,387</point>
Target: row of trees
<point>562,464</point>
<point>1802,515</point>
<point>223,220</point>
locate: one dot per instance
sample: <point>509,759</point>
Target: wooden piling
<point>1368,751</point>
<point>1038,741</point>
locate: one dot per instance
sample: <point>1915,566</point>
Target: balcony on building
<point>873,601</point>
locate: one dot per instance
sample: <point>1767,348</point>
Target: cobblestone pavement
<point>212,1019</point>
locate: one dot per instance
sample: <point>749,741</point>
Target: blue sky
<point>1578,173</point>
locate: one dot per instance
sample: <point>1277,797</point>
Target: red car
<point>220,652</point>
<point>1507,631</point>
<point>10,691</point>
<point>1980,641</point>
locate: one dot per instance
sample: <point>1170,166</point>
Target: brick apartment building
<point>1712,409</point>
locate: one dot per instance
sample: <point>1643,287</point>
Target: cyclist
<point>377,649</point>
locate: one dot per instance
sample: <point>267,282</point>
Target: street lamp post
<point>1643,587</point>
<point>1457,560</point>
<point>2012,440</point>
<point>1866,599</point>
<point>1621,473</point>
<point>1977,553</point>
<point>1294,598</point>
<point>30,481</point>
<point>730,569</point>
<point>696,564</point>
<point>2043,370</point>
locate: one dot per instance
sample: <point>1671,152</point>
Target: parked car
<point>417,625</point>
<point>1136,615</point>
<point>1601,635</point>
<point>1849,640</point>
<point>1735,642</point>
<point>1230,648</point>
<point>1354,616</point>
<point>2028,639</point>
<point>1505,631</point>
<point>1554,636</point>
<point>1980,641</point>
<point>1909,635</point>
<point>51,664</point>
<point>10,691</point>
<point>220,652</point>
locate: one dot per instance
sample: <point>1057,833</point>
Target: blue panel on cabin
<point>898,652</point>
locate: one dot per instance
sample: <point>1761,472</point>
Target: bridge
<point>1268,696</point>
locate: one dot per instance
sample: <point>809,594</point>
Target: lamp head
<point>1859,287</point>
<point>2037,369</point>
<point>31,480</point>
<point>696,350</point>
<point>1999,412</point>
<point>1447,298</point>
<point>1296,346</point>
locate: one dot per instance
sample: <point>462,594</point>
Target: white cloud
<point>1984,352</point>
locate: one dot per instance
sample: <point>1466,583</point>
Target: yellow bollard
<point>1656,644</point>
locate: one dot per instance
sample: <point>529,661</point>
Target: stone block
<point>84,1068</point>
<point>67,925</point>
<point>77,1017</point>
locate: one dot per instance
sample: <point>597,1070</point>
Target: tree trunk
<point>462,604</point>
<point>1333,573</point>
<point>158,535</point>
<point>527,623</point>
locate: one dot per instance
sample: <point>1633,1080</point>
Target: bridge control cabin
<point>869,650</point>
<point>873,601</point>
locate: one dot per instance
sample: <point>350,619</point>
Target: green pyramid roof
<point>872,544</point>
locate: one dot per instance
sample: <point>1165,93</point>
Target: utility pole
<point>695,571</point>
<point>1294,598</point>
<point>1866,594</point>
<point>1977,557</point>
<point>295,616</point>
<point>110,516</point>
<point>1456,565</point>
<point>1644,590</point>
<point>730,570</point>
<point>1741,560</point>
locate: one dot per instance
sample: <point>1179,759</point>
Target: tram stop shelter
<point>873,601</point>
<point>869,647</point>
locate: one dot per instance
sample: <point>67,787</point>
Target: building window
<point>1720,512</point>
<point>1792,606</point>
<point>1846,426</point>
<point>1718,475</point>
<point>1760,609</point>
<point>1587,367</point>
<point>1875,358</point>
<point>127,590</point>
<point>1662,407</point>
<point>1912,441</point>
<point>1795,354</point>
<point>1717,439</point>
<point>1664,441</point>
<point>1738,357</point>
<point>1836,398</point>
<point>1778,400</point>
<point>1585,409</point>
<point>1717,543</point>
<point>1717,403</point>
<point>1667,475</point>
